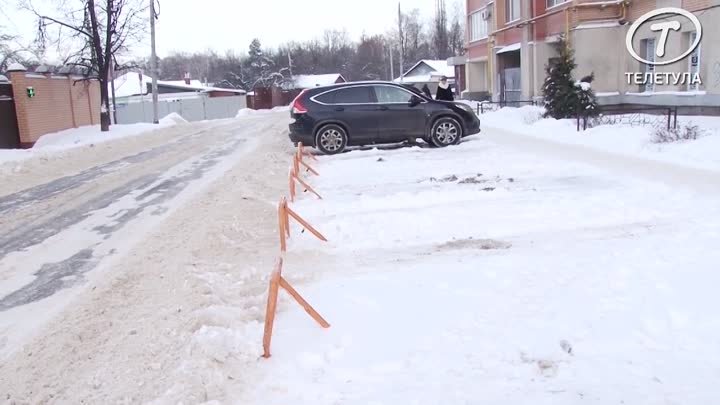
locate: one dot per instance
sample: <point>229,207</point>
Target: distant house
<point>428,71</point>
<point>264,98</point>
<point>136,86</point>
<point>310,81</point>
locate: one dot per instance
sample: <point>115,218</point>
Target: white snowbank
<point>83,136</point>
<point>172,119</point>
<point>626,139</point>
<point>249,111</point>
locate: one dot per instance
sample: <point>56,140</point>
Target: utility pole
<point>153,62</point>
<point>402,43</point>
<point>392,64</point>
<point>290,63</point>
<point>111,79</point>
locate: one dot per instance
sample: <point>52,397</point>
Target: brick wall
<point>695,5</point>
<point>60,102</point>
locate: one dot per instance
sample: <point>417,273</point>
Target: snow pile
<point>622,138</point>
<point>172,119</point>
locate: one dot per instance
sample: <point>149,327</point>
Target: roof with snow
<point>135,84</point>
<point>428,70</point>
<point>310,81</point>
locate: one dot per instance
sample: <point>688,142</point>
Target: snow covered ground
<point>626,139</point>
<point>480,274</point>
<point>509,268</point>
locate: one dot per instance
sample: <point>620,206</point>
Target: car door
<point>356,108</point>
<point>399,119</point>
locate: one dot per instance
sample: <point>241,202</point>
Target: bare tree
<point>100,31</point>
<point>12,51</point>
<point>456,35</point>
<point>440,42</point>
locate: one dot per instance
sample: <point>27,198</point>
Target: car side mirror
<point>415,100</point>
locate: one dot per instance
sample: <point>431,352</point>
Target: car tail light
<point>297,105</point>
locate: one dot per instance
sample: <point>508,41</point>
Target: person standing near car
<point>426,90</point>
<point>444,91</point>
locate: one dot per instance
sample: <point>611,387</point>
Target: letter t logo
<point>665,27</point>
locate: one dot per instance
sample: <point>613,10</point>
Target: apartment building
<point>509,43</point>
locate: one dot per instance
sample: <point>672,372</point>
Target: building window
<point>553,3</point>
<point>512,10</point>
<point>648,47</point>
<point>694,62</point>
<point>478,25</point>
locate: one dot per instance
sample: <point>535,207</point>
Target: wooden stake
<point>301,147</point>
<point>291,184</point>
<point>283,232</point>
<point>296,164</point>
<point>310,169</point>
<point>305,224</point>
<point>300,300</point>
<point>307,187</point>
<point>271,306</point>
<point>286,217</point>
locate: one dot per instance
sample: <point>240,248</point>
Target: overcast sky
<point>196,25</point>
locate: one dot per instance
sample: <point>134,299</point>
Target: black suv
<point>331,118</point>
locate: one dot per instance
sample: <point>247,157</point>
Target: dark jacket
<point>444,94</point>
<point>426,90</point>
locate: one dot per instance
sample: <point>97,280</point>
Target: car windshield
<point>415,90</point>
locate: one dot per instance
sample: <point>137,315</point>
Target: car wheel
<point>331,139</point>
<point>445,131</point>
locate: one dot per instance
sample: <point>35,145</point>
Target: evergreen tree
<point>559,87</point>
<point>586,99</point>
<point>261,69</point>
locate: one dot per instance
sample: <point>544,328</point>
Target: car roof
<point>350,84</point>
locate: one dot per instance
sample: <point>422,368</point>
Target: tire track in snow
<point>101,217</point>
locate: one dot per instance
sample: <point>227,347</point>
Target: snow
<point>607,93</point>
<point>583,85</point>
<point>501,270</point>
<point>249,111</point>
<point>529,283</point>
<point>624,139</point>
<point>310,81</point>
<point>439,68</point>
<point>131,84</point>
<point>89,135</point>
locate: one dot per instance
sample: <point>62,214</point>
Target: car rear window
<point>353,95</point>
<point>327,98</point>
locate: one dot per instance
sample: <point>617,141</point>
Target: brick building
<point>44,103</point>
<point>509,43</point>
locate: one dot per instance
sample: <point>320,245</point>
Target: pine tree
<point>586,99</point>
<point>559,87</point>
<point>260,68</point>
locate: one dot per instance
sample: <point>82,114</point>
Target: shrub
<point>687,132</point>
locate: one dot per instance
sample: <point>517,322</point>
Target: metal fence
<point>490,106</point>
<point>192,109</point>
<point>633,116</point>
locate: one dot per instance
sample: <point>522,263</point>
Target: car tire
<point>331,139</point>
<point>445,131</point>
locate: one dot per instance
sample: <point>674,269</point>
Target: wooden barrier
<point>277,281</point>
<point>301,148</point>
<point>284,215</point>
